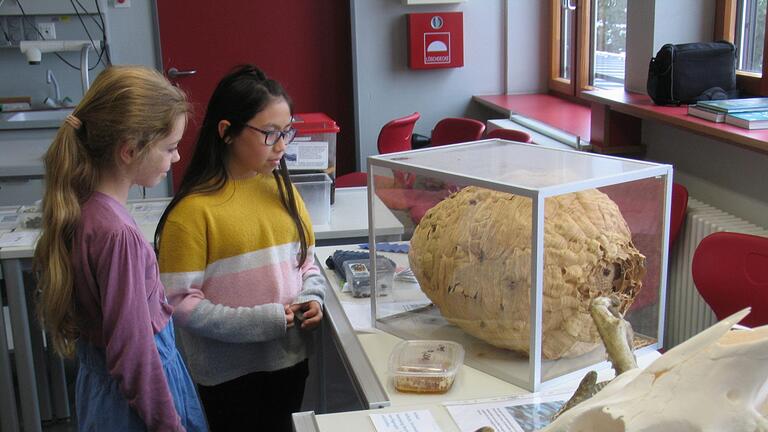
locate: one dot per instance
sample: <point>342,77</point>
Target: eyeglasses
<point>273,136</point>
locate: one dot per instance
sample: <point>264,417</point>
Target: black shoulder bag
<point>687,73</point>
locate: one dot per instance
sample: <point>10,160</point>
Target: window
<point>750,33</point>
<point>743,23</point>
<point>567,29</point>
<point>588,45</point>
<point>609,43</point>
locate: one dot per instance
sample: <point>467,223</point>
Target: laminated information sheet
<point>405,421</point>
<point>306,155</point>
<point>19,238</point>
<point>526,413</point>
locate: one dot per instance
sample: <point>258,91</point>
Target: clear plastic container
<point>425,366</point>
<point>31,220</point>
<point>358,276</point>
<point>316,130</point>
<point>315,190</point>
<point>30,217</point>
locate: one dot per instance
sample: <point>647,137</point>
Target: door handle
<point>175,73</point>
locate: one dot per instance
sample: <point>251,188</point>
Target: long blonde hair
<point>125,104</point>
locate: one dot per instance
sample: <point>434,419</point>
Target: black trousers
<point>261,401</point>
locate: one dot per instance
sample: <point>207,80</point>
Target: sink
<point>43,119</point>
<point>49,115</point>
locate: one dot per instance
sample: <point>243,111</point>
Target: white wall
<point>386,89</point>
<point>721,174</point>
<point>683,21</point>
<point>640,31</point>
<point>527,46</point>
<point>132,34</point>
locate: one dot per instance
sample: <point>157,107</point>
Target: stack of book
<point>750,113</point>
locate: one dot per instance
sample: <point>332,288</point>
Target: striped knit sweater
<point>228,261</point>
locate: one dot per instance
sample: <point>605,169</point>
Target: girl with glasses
<point>100,291</point>
<point>235,248</point>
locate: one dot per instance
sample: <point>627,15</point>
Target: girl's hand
<point>289,316</point>
<point>310,314</point>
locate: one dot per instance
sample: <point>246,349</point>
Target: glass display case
<point>510,242</point>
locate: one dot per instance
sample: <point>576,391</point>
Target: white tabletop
<point>378,344</point>
<point>349,219</point>
<point>470,383</point>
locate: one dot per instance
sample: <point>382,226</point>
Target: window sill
<point>640,106</point>
<point>554,111</point>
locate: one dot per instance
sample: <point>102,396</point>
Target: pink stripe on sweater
<point>274,283</point>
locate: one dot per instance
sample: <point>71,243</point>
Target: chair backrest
<point>730,271</point>
<point>455,130</point>
<point>353,179</point>
<point>510,134</point>
<point>677,212</point>
<point>395,136</point>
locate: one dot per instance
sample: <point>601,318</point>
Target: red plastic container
<point>316,128</point>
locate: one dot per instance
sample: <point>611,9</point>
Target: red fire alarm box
<point>435,40</point>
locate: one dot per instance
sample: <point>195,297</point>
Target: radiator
<point>687,313</point>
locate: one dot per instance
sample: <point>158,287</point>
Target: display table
<point>349,222</point>
<point>370,352</point>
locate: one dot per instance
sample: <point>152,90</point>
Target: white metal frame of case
<point>393,161</point>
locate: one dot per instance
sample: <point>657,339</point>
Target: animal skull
<point>714,382</point>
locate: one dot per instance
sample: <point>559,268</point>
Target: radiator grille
<point>687,313</point>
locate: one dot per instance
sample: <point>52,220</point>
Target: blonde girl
<point>100,291</point>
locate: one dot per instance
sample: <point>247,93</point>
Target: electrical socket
<point>48,29</point>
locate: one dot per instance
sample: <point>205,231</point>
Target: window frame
<point>725,29</point>
<point>581,57</point>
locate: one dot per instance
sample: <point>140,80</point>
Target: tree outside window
<point>609,43</point>
<point>750,34</point>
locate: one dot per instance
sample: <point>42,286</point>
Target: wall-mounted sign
<point>435,40</point>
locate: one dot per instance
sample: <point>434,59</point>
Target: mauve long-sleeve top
<point>121,305</point>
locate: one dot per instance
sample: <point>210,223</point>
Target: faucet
<point>33,51</point>
<point>51,78</point>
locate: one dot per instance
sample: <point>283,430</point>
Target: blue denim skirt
<point>100,405</point>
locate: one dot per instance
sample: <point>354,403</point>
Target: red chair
<point>730,271</point>
<point>353,179</point>
<point>395,136</point>
<point>510,134</point>
<point>456,130</point>
<point>677,212</point>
